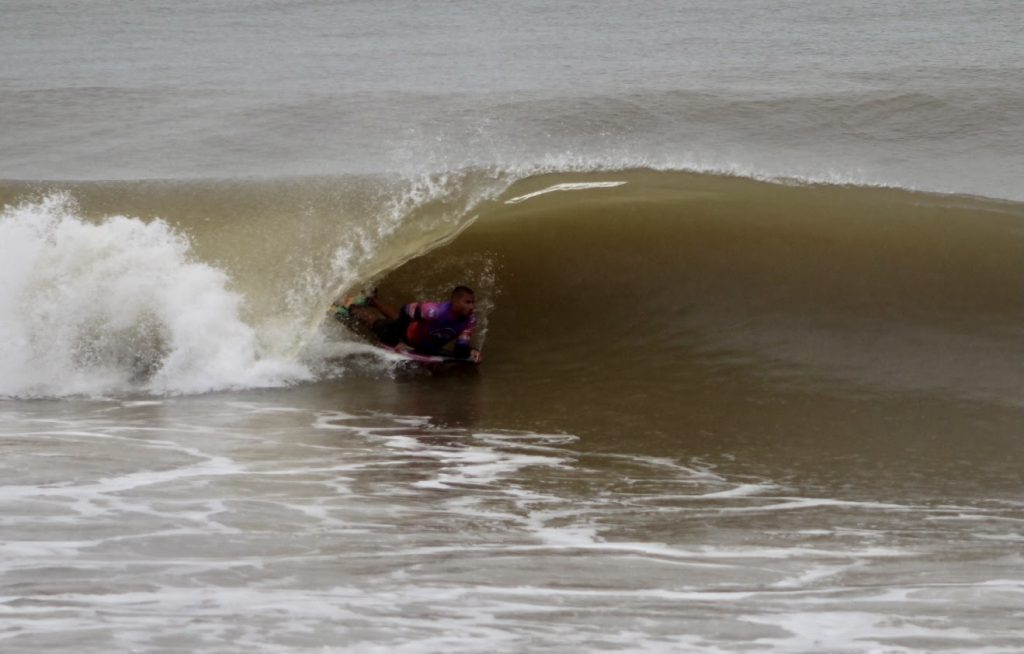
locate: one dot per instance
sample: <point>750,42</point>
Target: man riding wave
<point>419,327</point>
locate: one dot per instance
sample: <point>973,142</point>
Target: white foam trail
<point>578,186</point>
<point>122,304</point>
<point>808,632</point>
<point>800,503</point>
<point>382,533</point>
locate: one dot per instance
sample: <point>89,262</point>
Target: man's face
<point>464,305</point>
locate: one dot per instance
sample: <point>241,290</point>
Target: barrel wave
<point>637,274</point>
<point>640,280</point>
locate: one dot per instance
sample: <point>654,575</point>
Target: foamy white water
<point>227,524</point>
<point>117,306</point>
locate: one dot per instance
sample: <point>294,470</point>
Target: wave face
<point>636,274</point>
<point>636,281</point>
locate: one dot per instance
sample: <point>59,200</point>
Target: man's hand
<point>475,356</point>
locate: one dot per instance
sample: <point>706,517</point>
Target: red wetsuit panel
<point>433,326</point>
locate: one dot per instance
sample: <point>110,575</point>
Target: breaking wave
<point>183,287</point>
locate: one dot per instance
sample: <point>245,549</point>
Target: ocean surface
<point>751,299</point>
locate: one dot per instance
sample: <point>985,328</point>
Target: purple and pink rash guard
<point>432,326</point>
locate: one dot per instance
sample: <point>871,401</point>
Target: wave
<point>643,272</point>
<point>170,287</point>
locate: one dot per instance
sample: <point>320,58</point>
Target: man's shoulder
<point>432,310</point>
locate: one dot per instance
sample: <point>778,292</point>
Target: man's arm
<point>463,344</point>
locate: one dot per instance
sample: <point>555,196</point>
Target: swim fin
<point>343,312</point>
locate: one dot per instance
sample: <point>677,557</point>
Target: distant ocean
<point>751,301</point>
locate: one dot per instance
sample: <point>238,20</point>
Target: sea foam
<point>119,304</point>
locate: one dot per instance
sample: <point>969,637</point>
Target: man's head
<point>463,301</point>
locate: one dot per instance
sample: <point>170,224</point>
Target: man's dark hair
<point>459,291</point>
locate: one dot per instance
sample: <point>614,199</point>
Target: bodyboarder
<point>418,327</point>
